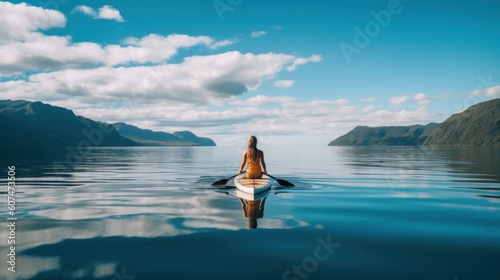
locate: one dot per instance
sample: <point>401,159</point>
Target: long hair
<point>252,148</point>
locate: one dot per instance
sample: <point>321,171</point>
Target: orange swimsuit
<point>253,170</point>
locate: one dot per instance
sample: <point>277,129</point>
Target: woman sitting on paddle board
<point>255,158</point>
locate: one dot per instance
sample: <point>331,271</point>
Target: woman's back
<point>254,159</point>
<point>254,162</point>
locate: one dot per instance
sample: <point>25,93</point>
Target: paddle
<point>282,182</point>
<point>222,182</point>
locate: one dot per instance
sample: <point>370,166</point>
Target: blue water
<point>354,213</point>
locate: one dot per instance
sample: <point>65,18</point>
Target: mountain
<point>35,124</point>
<point>190,137</point>
<point>386,136</point>
<point>479,125</point>
<point>157,138</point>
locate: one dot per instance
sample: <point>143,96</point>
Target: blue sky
<point>300,71</point>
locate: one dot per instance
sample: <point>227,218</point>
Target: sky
<point>290,72</point>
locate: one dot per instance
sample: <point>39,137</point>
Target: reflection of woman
<point>255,158</point>
<point>253,210</point>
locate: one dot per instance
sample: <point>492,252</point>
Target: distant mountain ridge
<point>38,125</point>
<point>479,125</point>
<point>159,138</point>
<point>386,136</point>
<point>35,124</point>
<point>191,137</point>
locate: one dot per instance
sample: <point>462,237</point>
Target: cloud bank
<point>136,70</point>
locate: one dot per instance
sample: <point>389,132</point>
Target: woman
<point>255,158</point>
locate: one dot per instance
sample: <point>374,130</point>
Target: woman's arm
<point>243,163</point>
<point>263,162</point>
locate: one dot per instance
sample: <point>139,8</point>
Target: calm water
<point>355,213</point>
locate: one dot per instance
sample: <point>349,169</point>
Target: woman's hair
<point>252,148</point>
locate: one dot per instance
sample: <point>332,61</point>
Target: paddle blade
<point>221,182</point>
<point>285,183</point>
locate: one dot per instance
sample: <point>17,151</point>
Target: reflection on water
<point>252,206</point>
<point>151,213</point>
<point>469,163</point>
<point>473,163</point>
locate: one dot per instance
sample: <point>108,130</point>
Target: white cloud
<point>301,60</point>
<point>256,34</point>
<point>284,83</point>
<point>368,99</point>
<point>397,101</point>
<point>260,100</point>
<point>156,48</point>
<point>491,92</point>
<point>198,79</point>
<point>21,21</point>
<point>108,12</point>
<point>105,12</point>
<point>368,108</point>
<point>86,10</point>
<point>324,103</point>
<point>220,44</point>
<point>44,53</point>
<point>420,97</point>
<point>422,100</point>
